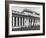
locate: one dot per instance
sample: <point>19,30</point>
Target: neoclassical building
<point>25,18</point>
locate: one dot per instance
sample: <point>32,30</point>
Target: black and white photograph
<point>25,18</point>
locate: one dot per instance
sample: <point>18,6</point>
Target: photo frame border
<point>7,18</point>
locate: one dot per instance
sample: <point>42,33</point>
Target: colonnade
<point>22,21</point>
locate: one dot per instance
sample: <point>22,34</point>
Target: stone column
<point>22,21</point>
<point>13,22</point>
<point>19,21</point>
<point>16,21</point>
<point>30,21</point>
<point>35,22</point>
